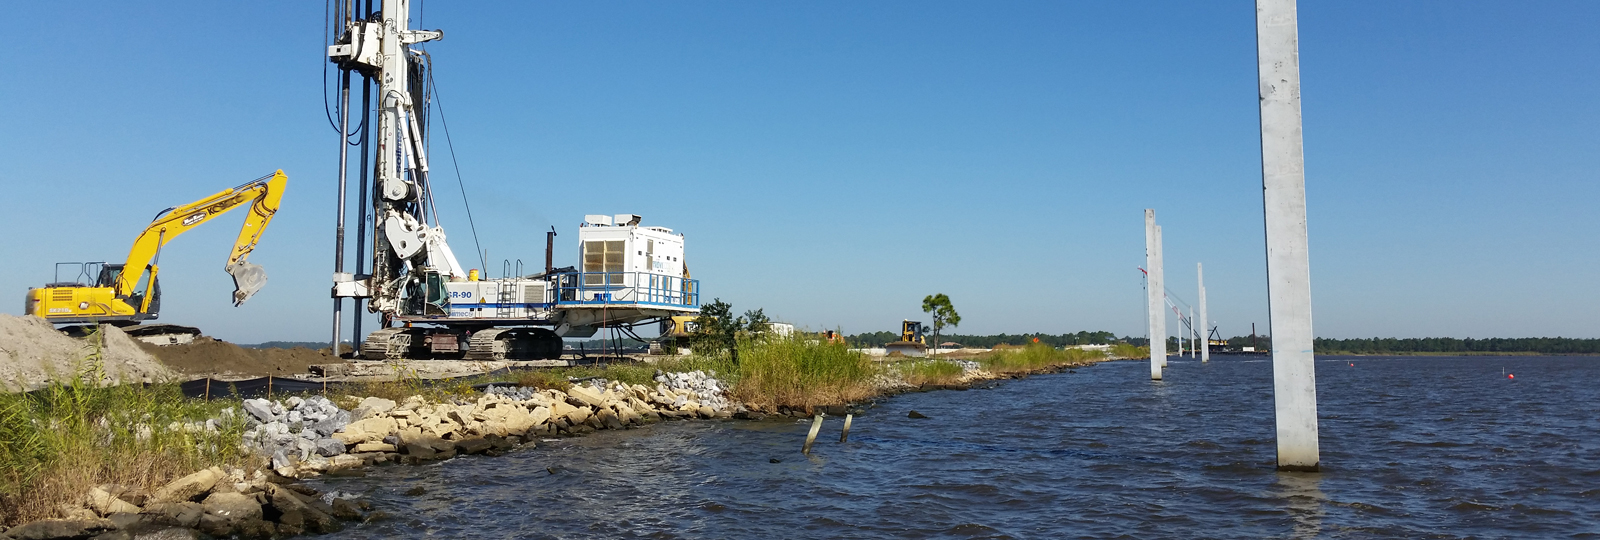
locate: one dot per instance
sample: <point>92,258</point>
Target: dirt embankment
<point>207,357</point>
<point>33,353</point>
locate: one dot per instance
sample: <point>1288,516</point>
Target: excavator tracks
<point>514,344</point>
<point>440,343</point>
<point>387,344</point>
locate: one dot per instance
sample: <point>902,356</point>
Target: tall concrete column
<point>1180,334</point>
<point>1205,325</point>
<point>1157,311</point>
<point>1161,297</point>
<point>1288,258</point>
<point>1192,333</point>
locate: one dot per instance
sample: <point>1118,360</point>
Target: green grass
<point>59,441</point>
<point>930,372</point>
<point>796,372</point>
<point>1124,350</point>
<point>771,372</point>
<point>1033,357</point>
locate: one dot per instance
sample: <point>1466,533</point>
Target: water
<point>1421,447</point>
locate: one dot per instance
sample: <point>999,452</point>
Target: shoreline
<point>261,496</point>
<point>1473,353</point>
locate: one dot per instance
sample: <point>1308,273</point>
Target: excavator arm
<point>263,194</point>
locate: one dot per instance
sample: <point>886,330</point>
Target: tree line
<point>878,339</point>
<point>1539,345</point>
<point>1544,345</point>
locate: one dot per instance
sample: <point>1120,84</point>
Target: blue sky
<point>834,162</point>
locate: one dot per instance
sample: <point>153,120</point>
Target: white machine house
<point>430,306</point>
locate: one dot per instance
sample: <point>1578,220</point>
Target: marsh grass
<point>930,372</point>
<point>405,385</point>
<point>1034,356</point>
<point>1124,350</point>
<point>801,373</point>
<point>57,442</point>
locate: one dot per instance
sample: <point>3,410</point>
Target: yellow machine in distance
<point>912,341</point>
<point>129,292</point>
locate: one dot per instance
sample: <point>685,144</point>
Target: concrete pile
<point>216,502</point>
<point>295,430</point>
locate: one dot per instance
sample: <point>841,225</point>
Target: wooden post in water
<point>816,426</point>
<point>845,435</point>
<point>1283,179</point>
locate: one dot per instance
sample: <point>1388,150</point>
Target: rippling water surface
<point>1411,447</point>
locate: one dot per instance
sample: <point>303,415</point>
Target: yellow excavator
<point>128,293</point>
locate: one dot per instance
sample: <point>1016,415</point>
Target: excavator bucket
<point>247,279</point>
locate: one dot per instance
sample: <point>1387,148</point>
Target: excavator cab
<point>97,300</point>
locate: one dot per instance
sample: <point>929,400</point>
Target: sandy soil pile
<point>207,356</point>
<point>33,353</point>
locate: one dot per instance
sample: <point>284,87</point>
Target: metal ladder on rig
<point>506,290</point>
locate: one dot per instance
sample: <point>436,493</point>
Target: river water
<point>1418,447</point>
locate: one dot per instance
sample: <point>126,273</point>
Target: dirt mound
<point>33,353</point>
<point>206,356</point>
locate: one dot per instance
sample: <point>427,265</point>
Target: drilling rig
<point>429,306</point>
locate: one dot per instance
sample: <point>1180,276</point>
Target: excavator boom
<point>263,193</point>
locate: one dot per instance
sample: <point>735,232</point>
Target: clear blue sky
<point>834,162</point>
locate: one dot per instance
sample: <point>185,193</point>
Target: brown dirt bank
<point>207,356</point>
<point>33,353</point>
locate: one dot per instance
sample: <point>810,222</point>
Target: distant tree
<point>944,314</point>
<point>719,328</point>
<point>756,322</point>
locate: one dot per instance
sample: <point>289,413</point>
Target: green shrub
<point>930,372</point>
<point>1035,356</point>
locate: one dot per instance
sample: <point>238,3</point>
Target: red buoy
<point>1511,376</point>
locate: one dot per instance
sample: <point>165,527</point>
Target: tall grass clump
<point>1125,350</point>
<point>57,442</point>
<point>1035,356</point>
<point>930,372</point>
<point>795,372</point>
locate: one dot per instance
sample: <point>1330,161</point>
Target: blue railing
<point>606,288</point>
